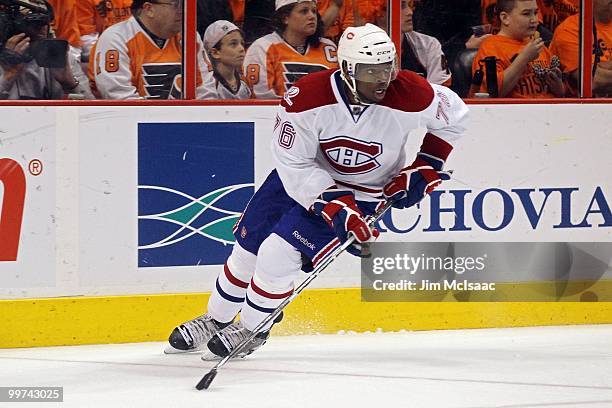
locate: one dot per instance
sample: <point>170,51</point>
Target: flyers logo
<point>296,70</point>
<point>351,156</point>
<point>13,180</point>
<point>158,79</point>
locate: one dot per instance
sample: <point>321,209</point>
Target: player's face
<point>522,21</point>
<point>168,17</point>
<point>303,19</point>
<point>407,11</point>
<point>231,52</point>
<point>373,81</point>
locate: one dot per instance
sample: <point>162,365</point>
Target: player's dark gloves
<point>422,176</point>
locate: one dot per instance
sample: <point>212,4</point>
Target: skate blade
<point>171,350</point>
<point>208,355</point>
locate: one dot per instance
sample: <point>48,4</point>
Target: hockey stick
<point>210,376</point>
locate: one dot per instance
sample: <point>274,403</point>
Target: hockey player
<point>338,147</point>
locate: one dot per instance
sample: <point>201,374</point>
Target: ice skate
<point>193,335</point>
<point>222,343</point>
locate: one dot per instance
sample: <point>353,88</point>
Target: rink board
<point>123,201</point>
<point>124,319</point>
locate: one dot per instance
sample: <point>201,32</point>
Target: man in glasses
<point>141,57</point>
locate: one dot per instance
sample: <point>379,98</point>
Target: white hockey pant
<point>257,294</point>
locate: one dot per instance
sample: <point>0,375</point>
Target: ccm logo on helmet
<point>383,52</point>
<point>350,156</point>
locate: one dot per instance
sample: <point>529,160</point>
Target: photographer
<point>32,64</point>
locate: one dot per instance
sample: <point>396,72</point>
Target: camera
<point>29,17</point>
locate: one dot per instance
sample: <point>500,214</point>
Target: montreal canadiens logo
<point>350,156</point>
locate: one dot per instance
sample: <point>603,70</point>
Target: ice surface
<point>523,367</point>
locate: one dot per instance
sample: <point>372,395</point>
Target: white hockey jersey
<point>215,88</point>
<point>318,142</point>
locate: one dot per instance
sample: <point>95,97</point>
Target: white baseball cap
<point>216,31</point>
<point>281,3</point>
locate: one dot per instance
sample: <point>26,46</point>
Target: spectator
<point>524,64</point>
<point>95,16</point>
<point>224,43</point>
<point>21,76</point>
<point>566,45</point>
<point>66,27</point>
<point>422,53</point>
<point>274,62</point>
<point>336,15</point>
<point>141,57</point>
<point>65,24</point>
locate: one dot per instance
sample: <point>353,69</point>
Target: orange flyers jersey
<point>65,23</point>
<point>272,65</point>
<point>237,7</point>
<point>95,16</point>
<point>345,17</point>
<point>127,63</point>
<point>530,85</point>
<point>371,10</point>
<point>556,11</point>
<point>565,42</point>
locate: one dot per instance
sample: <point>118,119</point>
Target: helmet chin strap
<point>352,86</point>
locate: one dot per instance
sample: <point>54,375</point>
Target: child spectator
<point>525,67</point>
<point>422,53</point>
<point>224,44</point>
<point>277,60</point>
<point>565,44</point>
